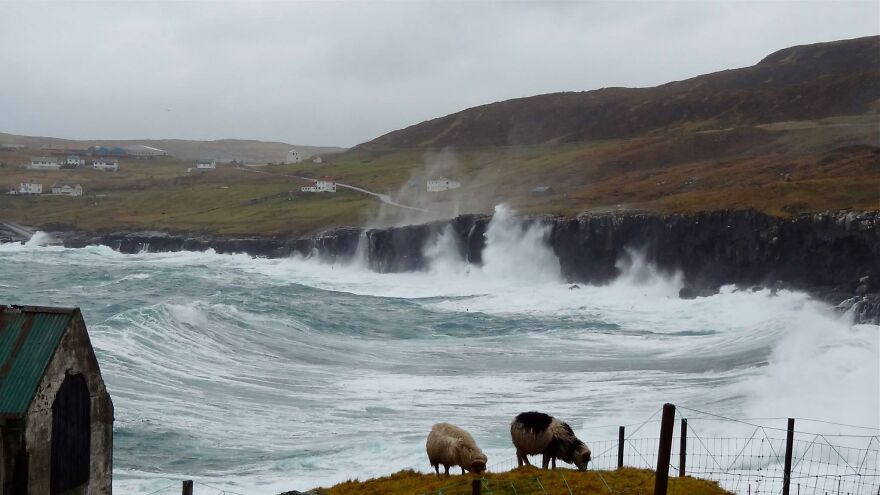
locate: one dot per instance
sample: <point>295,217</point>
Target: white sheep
<point>538,433</point>
<point>451,446</point>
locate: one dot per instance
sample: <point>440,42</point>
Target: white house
<point>67,189</point>
<point>323,184</point>
<point>44,163</point>
<point>143,152</point>
<point>75,160</point>
<point>293,157</point>
<point>206,165</point>
<point>107,164</point>
<point>442,184</point>
<point>318,159</point>
<point>30,187</point>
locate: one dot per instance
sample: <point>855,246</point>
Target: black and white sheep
<point>536,433</point>
<point>449,445</point>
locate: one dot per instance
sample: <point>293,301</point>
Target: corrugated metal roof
<point>28,338</point>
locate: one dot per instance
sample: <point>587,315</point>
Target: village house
<point>75,160</point>
<point>30,187</point>
<point>293,157</point>
<point>67,189</point>
<point>57,417</point>
<point>442,184</point>
<point>206,165</point>
<point>318,159</point>
<point>322,184</point>
<point>44,163</point>
<point>106,164</point>
<point>143,152</point>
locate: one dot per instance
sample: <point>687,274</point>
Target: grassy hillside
<point>246,150</point>
<point>523,482</point>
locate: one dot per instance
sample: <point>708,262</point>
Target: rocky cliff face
<point>835,256</point>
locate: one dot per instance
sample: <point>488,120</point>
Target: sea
<point>258,376</point>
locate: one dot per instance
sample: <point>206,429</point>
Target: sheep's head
<point>582,456</point>
<point>478,465</point>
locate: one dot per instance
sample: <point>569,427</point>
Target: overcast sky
<point>340,73</point>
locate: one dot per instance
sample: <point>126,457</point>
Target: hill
<point>798,83</point>
<point>241,150</point>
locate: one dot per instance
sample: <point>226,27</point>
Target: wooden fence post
<point>682,449</point>
<point>475,486</point>
<point>664,452</point>
<point>620,440</point>
<point>789,446</point>
<point>188,487</point>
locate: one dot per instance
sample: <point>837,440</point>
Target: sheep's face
<point>582,457</point>
<point>478,466</point>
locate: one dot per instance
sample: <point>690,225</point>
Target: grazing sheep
<point>538,433</point>
<point>451,446</point>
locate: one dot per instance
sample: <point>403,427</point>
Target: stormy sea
<point>265,375</point>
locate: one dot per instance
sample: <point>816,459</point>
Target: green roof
<point>28,338</point>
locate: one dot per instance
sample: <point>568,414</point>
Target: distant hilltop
<point>794,84</point>
<point>223,150</point>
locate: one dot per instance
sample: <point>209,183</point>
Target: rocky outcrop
<point>835,256</point>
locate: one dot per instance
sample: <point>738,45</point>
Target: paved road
<point>382,197</point>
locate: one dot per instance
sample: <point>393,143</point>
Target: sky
<point>344,72</point>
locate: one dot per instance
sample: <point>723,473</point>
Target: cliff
<point>835,256</point>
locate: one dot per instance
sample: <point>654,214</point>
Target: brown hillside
<point>799,83</point>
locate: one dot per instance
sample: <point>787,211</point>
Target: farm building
<point>206,165</point>
<point>107,164</point>
<point>56,418</point>
<point>67,189</point>
<point>30,187</point>
<point>323,184</point>
<point>44,163</point>
<point>75,160</point>
<point>293,156</point>
<point>442,184</point>
<point>143,152</point>
<point>317,159</point>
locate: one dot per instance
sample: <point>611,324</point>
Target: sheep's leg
<point>519,461</point>
<point>525,460</point>
<point>447,469</point>
<point>462,469</point>
<point>437,469</point>
<point>545,461</point>
<point>553,460</point>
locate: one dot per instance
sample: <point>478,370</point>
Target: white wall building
<point>442,184</point>
<point>30,187</point>
<point>144,152</point>
<point>324,184</point>
<point>206,165</point>
<point>107,164</point>
<point>67,189</point>
<point>75,160</point>
<point>44,163</point>
<point>318,159</point>
<point>293,157</point>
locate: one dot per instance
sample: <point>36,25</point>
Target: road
<point>382,197</point>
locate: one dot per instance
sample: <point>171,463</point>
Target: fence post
<point>475,486</point>
<point>682,449</point>
<point>188,487</point>
<point>667,424</point>
<point>620,440</point>
<point>789,446</point>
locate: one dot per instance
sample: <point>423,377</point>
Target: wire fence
<point>846,462</point>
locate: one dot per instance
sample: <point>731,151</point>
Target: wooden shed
<point>56,418</point>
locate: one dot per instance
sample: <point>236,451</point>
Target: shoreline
<point>833,256</point>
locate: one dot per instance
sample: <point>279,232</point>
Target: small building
<point>57,417</point>
<point>292,157</point>
<point>143,152</point>
<point>44,163</point>
<point>75,160</point>
<point>67,189</point>
<point>30,187</point>
<point>541,190</point>
<point>323,184</point>
<point>317,159</point>
<point>206,165</point>
<point>442,184</point>
<point>106,164</point>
